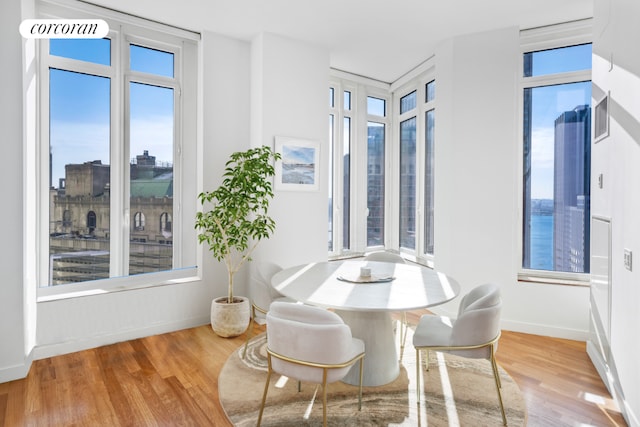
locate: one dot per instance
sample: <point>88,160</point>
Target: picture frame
<point>601,119</point>
<point>298,169</point>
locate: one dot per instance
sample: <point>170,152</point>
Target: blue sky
<point>548,103</point>
<point>80,107</point>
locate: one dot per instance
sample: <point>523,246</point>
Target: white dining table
<point>366,303</point>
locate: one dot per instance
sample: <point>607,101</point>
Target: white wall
<point>289,89</point>
<point>226,123</point>
<point>616,69</point>
<point>13,354</point>
<point>478,158</point>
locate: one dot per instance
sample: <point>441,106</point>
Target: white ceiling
<point>381,39</point>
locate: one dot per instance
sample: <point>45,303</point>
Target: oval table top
<point>392,287</point>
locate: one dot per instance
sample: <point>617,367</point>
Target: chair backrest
<point>478,320</point>
<point>260,290</point>
<point>384,256</point>
<point>310,334</point>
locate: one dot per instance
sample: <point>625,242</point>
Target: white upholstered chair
<point>261,293</point>
<point>384,256</point>
<point>473,334</point>
<point>310,344</point>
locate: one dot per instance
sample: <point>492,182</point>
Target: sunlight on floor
<point>307,413</point>
<point>450,403</point>
<point>605,404</point>
<point>282,381</point>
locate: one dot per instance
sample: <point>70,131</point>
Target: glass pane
<point>376,106</point>
<point>97,51</point>
<point>346,184</point>
<point>375,183</point>
<point>331,142</point>
<point>79,177</point>
<point>429,181</point>
<point>408,183</point>
<point>557,162</point>
<point>151,187</point>
<point>151,61</point>
<point>331,97</point>
<point>347,100</point>
<point>560,60</point>
<point>430,91</point>
<point>408,102</point>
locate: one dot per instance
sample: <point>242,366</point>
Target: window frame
<point>386,122</point>
<point>361,88</point>
<point>124,29</point>
<point>532,40</point>
<point>419,85</point>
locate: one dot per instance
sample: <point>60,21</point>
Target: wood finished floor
<point>171,379</point>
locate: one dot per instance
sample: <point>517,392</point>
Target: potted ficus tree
<point>233,221</point>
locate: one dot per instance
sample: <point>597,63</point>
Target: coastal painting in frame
<point>298,168</point>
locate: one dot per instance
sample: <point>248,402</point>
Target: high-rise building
<point>571,190</point>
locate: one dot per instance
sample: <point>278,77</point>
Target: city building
<point>571,190</point>
<point>80,218</point>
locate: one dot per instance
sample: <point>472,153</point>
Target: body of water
<point>541,242</point>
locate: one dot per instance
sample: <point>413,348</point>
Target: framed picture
<point>298,169</point>
<point>601,119</point>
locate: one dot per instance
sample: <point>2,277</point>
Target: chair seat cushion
<point>433,331</point>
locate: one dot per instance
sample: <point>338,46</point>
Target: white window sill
<point>118,284</point>
<point>554,278</point>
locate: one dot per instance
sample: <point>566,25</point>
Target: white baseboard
<point>545,330</point>
<point>44,351</point>
<point>15,372</point>
<point>632,419</point>
<point>611,381</point>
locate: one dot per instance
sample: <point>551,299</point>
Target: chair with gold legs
<point>473,334</point>
<point>261,293</point>
<point>310,344</point>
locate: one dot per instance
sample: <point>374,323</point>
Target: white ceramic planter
<point>230,319</point>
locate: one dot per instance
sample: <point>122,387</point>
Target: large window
<point>382,163</point>
<point>113,128</point>
<point>556,159</point>
<point>416,169</point>
<point>359,122</point>
<point>376,132</point>
<point>407,188</point>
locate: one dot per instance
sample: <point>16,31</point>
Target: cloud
<point>542,144</point>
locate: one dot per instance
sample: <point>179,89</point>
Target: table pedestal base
<point>381,364</point>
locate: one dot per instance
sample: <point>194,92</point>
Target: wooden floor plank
<point>172,379</point>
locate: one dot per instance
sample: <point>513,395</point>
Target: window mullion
<point>337,169</point>
<point>420,170</point>
<point>120,217</point>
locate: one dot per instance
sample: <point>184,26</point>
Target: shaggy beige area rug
<point>456,392</point>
